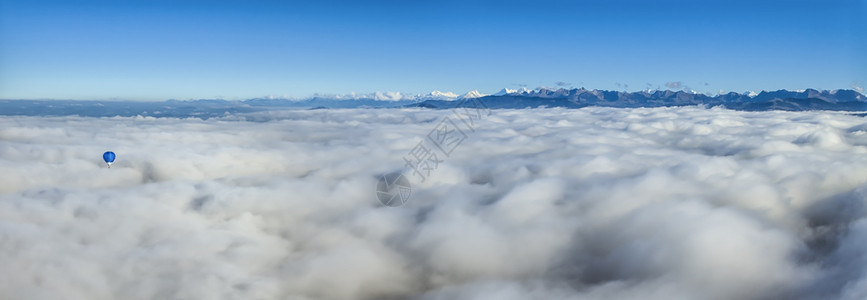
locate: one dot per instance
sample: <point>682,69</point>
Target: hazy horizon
<point>394,95</point>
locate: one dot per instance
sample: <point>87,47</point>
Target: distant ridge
<point>809,99</point>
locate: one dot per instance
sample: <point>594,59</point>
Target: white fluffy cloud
<point>595,203</point>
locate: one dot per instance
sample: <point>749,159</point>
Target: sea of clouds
<point>593,203</point>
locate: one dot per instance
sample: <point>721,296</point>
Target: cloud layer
<point>593,203</point>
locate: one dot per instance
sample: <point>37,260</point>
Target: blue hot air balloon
<point>109,158</point>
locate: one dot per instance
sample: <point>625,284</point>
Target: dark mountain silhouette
<point>810,99</point>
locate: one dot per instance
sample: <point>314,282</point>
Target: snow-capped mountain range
<point>809,99</point>
<point>506,91</point>
<point>391,96</point>
<point>593,96</point>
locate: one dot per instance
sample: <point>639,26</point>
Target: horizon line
<point>409,96</point>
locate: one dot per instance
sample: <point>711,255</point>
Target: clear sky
<point>161,49</point>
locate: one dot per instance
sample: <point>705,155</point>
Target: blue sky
<point>156,50</point>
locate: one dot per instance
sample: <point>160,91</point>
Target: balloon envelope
<point>108,157</point>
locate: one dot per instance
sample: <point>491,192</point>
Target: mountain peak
<point>437,95</point>
<point>505,91</point>
<point>441,94</point>
<point>472,94</point>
